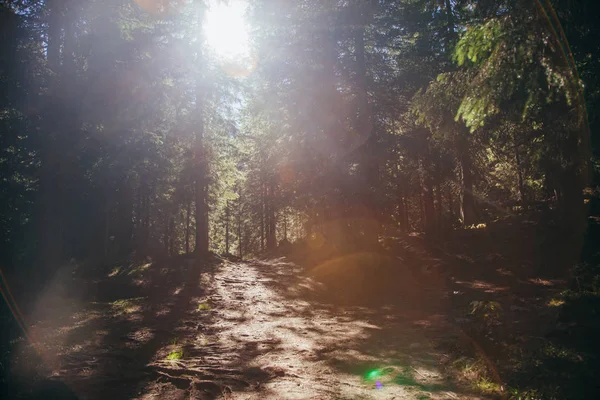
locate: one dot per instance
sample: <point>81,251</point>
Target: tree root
<point>210,374</point>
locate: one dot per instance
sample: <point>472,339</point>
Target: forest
<point>418,167</point>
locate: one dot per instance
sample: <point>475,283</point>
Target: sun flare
<point>226,29</point>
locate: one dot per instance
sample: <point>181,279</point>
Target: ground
<point>237,329</point>
<point>268,328</point>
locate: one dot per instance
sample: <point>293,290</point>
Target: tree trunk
<point>421,210</point>
<point>146,220</point>
<point>438,193</point>
<point>188,210</point>
<point>427,190</point>
<point>401,205</point>
<point>227,227</point>
<point>166,234</point>
<point>201,184</point>
<point>519,172</point>
<point>450,20</point>
<point>271,221</point>
<point>240,242</point>
<point>124,233</point>
<point>467,199</point>
<point>172,235</point>
<point>406,214</point>
<point>451,207</point>
<point>51,205</point>
<point>262,214</point>
<point>369,167</point>
<point>54,34</point>
<point>106,238</point>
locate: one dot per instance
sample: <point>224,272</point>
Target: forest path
<point>265,318</point>
<point>239,330</point>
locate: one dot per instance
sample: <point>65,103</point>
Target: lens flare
<point>373,374</point>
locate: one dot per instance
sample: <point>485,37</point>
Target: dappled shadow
<point>107,348</point>
<point>322,347</point>
<point>259,328</point>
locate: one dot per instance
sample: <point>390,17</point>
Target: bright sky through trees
<point>226,29</point>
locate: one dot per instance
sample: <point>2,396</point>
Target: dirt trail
<point>273,320</point>
<point>242,330</point>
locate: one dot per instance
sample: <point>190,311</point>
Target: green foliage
<point>516,60</point>
<point>175,355</point>
<point>478,42</point>
<point>489,313</point>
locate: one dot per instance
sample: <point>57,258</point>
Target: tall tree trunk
<point>172,235</point>
<point>227,227</point>
<point>427,190</point>
<point>138,218</point>
<point>240,242</point>
<point>201,178</point>
<point>143,218</point>
<point>51,205</point>
<point>188,211</point>
<point>573,179</point>
<point>401,204</point>
<point>451,203</point>
<point>406,218</point>
<point>146,220</point>
<point>467,199</point>
<point>201,166</point>
<point>124,233</point>
<point>271,221</point>
<point>69,45</point>
<point>166,234</point>
<point>336,136</point>
<point>369,164</point>
<point>262,213</point>
<point>450,20</point>
<point>421,210</point>
<point>438,191</point>
<point>519,172</point>
<point>54,34</point>
<point>106,235</point>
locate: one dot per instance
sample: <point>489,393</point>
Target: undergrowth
<point>564,364</point>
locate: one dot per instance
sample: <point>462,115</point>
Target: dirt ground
<point>258,329</point>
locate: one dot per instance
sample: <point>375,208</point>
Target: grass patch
<point>127,306</point>
<point>131,270</point>
<point>175,355</point>
<point>485,385</point>
<point>139,269</point>
<point>203,306</point>
<point>469,368</point>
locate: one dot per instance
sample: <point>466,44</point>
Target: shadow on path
<point>243,330</point>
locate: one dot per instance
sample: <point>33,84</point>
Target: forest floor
<point>268,329</point>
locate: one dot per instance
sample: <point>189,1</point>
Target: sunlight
<point>226,29</point>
